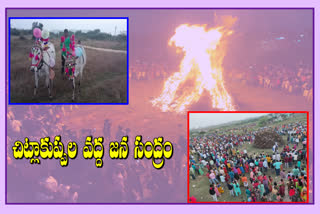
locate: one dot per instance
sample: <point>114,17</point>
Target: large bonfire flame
<point>201,67</point>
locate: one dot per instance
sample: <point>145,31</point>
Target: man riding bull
<point>65,47</point>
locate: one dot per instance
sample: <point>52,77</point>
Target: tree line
<point>80,35</point>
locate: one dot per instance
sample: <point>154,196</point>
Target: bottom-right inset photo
<point>248,157</point>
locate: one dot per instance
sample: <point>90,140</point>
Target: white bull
<point>78,63</point>
<point>41,61</point>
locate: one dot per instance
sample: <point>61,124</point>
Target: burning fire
<point>200,69</point>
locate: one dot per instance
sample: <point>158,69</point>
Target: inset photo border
<point>229,137</point>
<point>68,60</point>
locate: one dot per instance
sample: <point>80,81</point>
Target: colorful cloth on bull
<point>68,51</point>
<point>70,66</point>
<point>45,43</point>
<point>65,46</point>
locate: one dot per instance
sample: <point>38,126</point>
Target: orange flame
<point>201,65</point>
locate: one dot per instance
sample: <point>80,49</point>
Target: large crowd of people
<point>274,175</point>
<point>148,71</point>
<point>82,182</point>
<point>297,80</point>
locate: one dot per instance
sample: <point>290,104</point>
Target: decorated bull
<point>42,58</point>
<point>73,60</point>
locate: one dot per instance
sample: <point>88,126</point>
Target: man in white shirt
<point>251,164</point>
<point>221,171</point>
<point>295,157</point>
<point>204,162</point>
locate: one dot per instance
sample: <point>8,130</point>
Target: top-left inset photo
<point>63,60</point>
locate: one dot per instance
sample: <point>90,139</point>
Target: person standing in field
<point>65,48</point>
<point>265,165</point>
<point>192,173</point>
<point>230,187</point>
<point>213,193</point>
<point>277,167</point>
<point>248,192</point>
<point>261,189</point>
<point>236,188</point>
